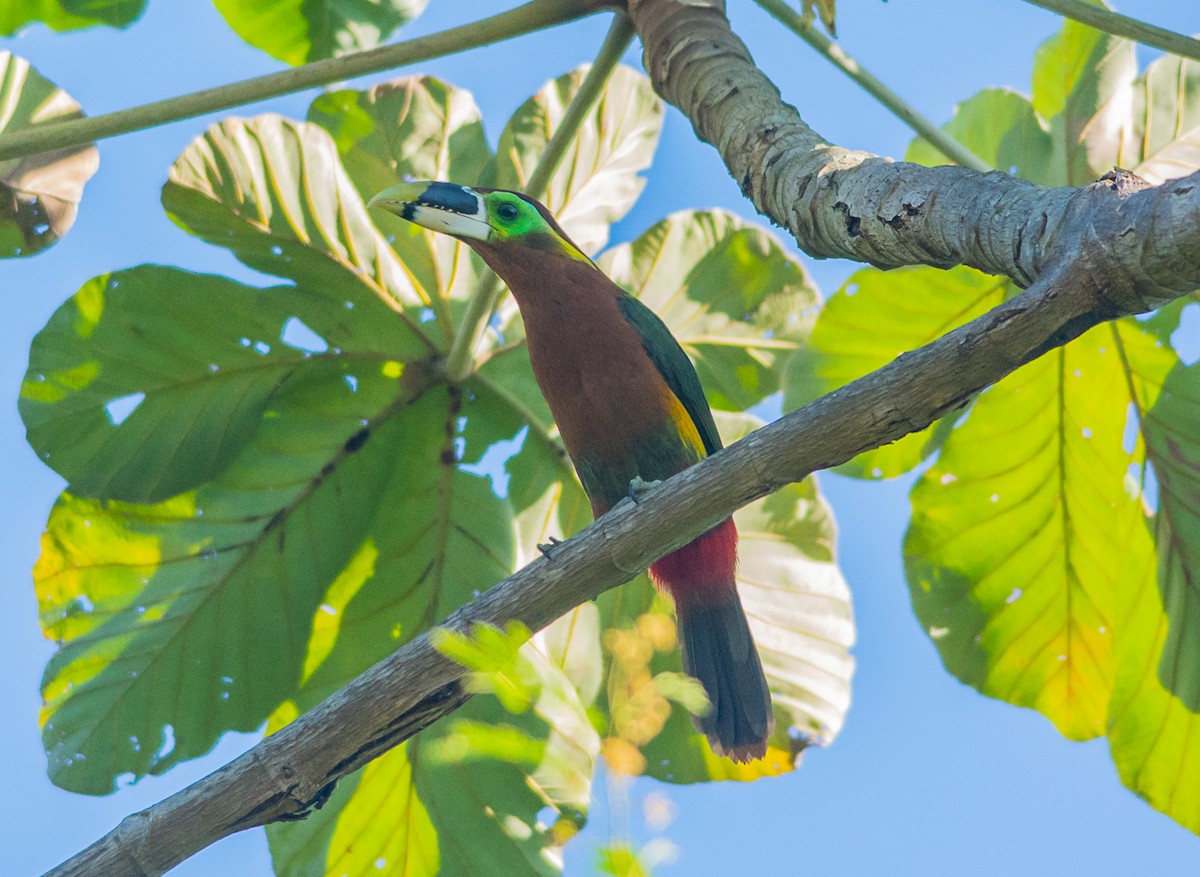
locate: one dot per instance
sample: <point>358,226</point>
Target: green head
<point>494,218</point>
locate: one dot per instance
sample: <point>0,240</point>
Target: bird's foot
<point>639,488</point>
<point>547,548</point>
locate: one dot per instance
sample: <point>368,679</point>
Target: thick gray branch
<point>290,772</point>
<point>854,205</point>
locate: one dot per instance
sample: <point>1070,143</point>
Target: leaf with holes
<point>191,616</point>
<point>1155,709</point>
<point>136,393</point>
<point>297,33</point>
<point>732,295</point>
<point>1013,552</point>
<point>874,318</point>
<point>39,194</point>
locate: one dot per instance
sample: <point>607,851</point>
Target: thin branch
<point>1103,18</point>
<point>294,770</point>
<point>532,16</point>
<point>460,361</point>
<point>901,109</point>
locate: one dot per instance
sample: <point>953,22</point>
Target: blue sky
<point>927,777</point>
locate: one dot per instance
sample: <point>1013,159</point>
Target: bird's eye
<point>507,211</point>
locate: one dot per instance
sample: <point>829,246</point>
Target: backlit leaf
<point>1083,86</point>
<point>871,320</point>
<point>1162,139</point>
<point>1013,552</point>
<point>299,31</point>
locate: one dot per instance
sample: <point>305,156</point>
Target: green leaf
<point>348,836</point>
<point>597,180</point>
<point>1155,708</point>
<point>871,320</point>
<point>1082,84</point>
<point>299,31</point>
<point>68,14</point>
<point>495,659</point>
<point>274,192</point>
<point>732,295</point>
<point>419,127</point>
<point>1162,140</point>
<point>39,194</point>
<point>1013,553</point>
<point>194,614</point>
<point>1000,127</point>
<point>124,419</point>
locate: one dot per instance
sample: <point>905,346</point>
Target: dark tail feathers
<point>719,651</point>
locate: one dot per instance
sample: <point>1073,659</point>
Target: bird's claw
<point>547,548</point>
<point>639,487</point>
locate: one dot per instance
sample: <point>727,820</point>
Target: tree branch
<point>854,205</point>
<point>534,15</point>
<point>1105,19</point>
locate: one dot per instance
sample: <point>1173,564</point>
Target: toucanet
<point>629,405</point>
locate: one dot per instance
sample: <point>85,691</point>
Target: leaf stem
<point>904,111</point>
<point>1115,23</point>
<point>532,16</point>
<point>460,361</point>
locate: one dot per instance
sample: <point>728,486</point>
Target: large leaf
<point>597,180</point>
<point>68,14</point>
<point>870,321</point>
<point>274,192</point>
<point>299,31</point>
<point>39,194</point>
<point>1013,553</point>
<point>1155,709</point>
<point>454,803</point>
<point>732,295</point>
<point>191,617</point>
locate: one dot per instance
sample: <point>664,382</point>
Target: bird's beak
<point>444,207</point>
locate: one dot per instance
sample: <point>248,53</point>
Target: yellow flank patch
<point>683,422</point>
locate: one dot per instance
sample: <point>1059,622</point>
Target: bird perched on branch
<point>629,406</point>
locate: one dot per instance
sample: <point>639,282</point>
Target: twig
<point>1103,18</point>
<point>532,16</point>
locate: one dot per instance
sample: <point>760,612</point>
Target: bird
<point>630,410</point>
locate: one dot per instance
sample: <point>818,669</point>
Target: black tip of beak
<point>447,196</point>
